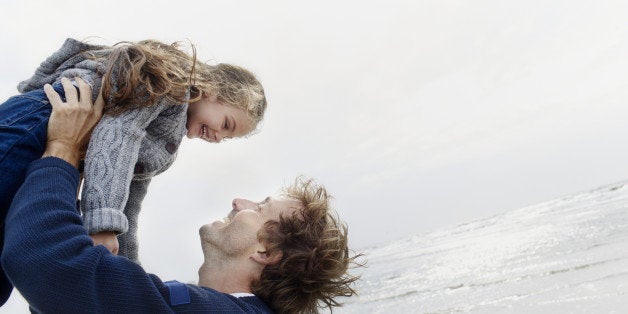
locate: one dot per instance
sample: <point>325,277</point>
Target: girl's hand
<point>107,238</point>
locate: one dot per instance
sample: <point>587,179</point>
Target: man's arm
<point>47,254</point>
<point>50,259</point>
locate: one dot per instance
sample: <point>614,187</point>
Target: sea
<point>567,255</point>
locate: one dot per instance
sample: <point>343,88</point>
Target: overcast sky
<point>416,115</point>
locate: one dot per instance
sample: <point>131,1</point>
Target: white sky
<point>415,114</point>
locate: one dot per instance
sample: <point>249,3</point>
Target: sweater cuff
<point>55,162</point>
<point>105,219</point>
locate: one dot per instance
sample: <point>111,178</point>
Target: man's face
<point>237,233</point>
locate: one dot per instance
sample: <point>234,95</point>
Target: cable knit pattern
<point>49,258</point>
<point>131,147</point>
<point>129,144</point>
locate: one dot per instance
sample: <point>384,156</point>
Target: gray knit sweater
<point>124,151</point>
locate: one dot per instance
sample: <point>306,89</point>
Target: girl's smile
<point>210,120</point>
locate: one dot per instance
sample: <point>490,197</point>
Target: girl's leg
<point>23,123</point>
<point>23,128</point>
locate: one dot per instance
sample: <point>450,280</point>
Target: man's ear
<point>265,258</point>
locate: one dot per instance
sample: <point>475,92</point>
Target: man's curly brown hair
<point>313,269</point>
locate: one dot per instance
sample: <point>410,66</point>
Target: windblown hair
<point>313,270</point>
<point>138,74</point>
<point>235,86</point>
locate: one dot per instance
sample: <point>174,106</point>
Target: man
<point>287,253</point>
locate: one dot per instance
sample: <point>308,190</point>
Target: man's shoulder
<point>189,297</point>
<point>212,298</point>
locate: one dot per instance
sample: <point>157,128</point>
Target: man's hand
<point>72,122</point>
<point>107,238</point>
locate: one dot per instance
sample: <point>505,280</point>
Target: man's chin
<point>211,228</point>
<point>205,230</point>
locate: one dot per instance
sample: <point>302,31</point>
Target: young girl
<point>154,94</point>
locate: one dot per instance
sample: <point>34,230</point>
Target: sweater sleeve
<point>49,257</point>
<point>128,240</point>
<point>51,260</point>
<point>109,167</point>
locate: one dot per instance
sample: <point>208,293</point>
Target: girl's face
<point>212,121</point>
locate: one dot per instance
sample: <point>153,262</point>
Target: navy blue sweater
<point>49,257</point>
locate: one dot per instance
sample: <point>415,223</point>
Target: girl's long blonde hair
<point>138,74</point>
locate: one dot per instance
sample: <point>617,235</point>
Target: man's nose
<point>239,204</point>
